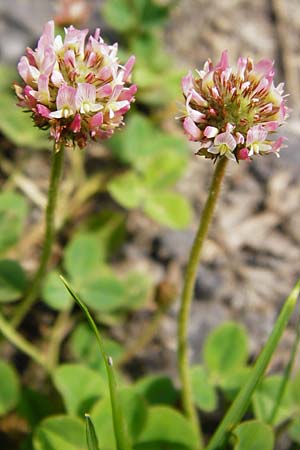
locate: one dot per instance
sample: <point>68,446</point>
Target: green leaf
<point>119,15</point>
<point>253,435</point>
<point>79,386</point>
<point>90,432</point>
<point>83,256</point>
<point>241,403</point>
<point>59,432</point>
<point>204,393</point>
<point>34,406</point>
<point>151,13</point>
<point>13,211</point>
<point>233,381</point>
<point>17,125</point>
<point>12,280</point>
<point>103,294</point>
<point>9,388</point>
<point>294,430</point>
<point>137,142</point>
<point>54,294</point>
<point>120,432</point>
<point>165,425</point>
<point>85,348</point>
<point>265,397</point>
<point>136,413</point>
<point>127,189</point>
<point>157,389</point>
<point>110,227</point>
<point>168,208</point>
<point>225,349</point>
<point>165,169</point>
<point>137,289</point>
<point>295,390</point>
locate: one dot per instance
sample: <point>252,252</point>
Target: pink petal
<point>241,67</point>
<point>96,120</point>
<point>187,83</point>
<point>75,126</point>
<point>210,132</point>
<point>85,93</point>
<point>47,37</point>
<point>256,134</point>
<point>191,129</point>
<point>227,139</point>
<point>223,64</point>
<point>43,111</point>
<point>128,67</point>
<point>128,93</point>
<point>243,154</point>
<point>66,97</point>
<point>239,138</point>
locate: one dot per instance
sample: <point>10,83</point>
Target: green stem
<point>22,344</point>
<point>33,291</point>
<point>286,376</point>
<point>187,295</point>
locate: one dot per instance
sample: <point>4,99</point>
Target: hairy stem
<point>187,296</point>
<point>33,291</point>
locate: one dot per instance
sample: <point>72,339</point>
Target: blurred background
<point>251,259</point>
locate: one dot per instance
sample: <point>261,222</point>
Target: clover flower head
<point>76,88</point>
<point>234,113</point>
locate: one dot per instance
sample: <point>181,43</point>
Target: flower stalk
<point>187,296</point>
<point>33,291</point>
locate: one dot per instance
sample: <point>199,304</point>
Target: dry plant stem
<point>59,331</point>
<point>33,291</point>
<point>187,296</point>
<point>22,344</point>
<point>142,340</point>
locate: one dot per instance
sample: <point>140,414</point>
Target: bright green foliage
<point>118,418</point>
<point>294,430</point>
<point>79,386</point>
<point>253,435</point>
<point>142,144</point>
<point>241,403</point>
<point>54,294</point>
<point>157,80</point>
<point>225,349</point>
<point>16,125</point>
<point>134,15</point>
<point>13,212</point>
<point>265,397</point>
<point>34,406</point>
<point>91,436</point>
<point>168,429</point>
<point>168,208</point>
<point>159,161</point>
<point>85,349</point>
<point>12,280</point>
<point>101,289</point>
<point>9,388</point>
<point>204,393</point>
<point>60,432</point>
<point>157,390</point>
<point>135,413</point>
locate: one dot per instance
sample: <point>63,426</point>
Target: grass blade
<point>121,436</point>
<point>286,374</point>
<point>91,437</point>
<point>240,404</point>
